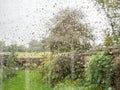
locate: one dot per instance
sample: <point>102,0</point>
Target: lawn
<point>31,80</point>
<point>26,80</point>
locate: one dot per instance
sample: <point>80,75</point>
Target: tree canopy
<point>68,32</point>
<point>112,11</point>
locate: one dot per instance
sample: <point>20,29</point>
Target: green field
<point>32,54</point>
<point>28,54</point>
<point>26,80</point>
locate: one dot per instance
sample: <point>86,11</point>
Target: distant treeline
<point>33,46</point>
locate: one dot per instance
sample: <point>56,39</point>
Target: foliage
<point>99,71</point>
<point>17,48</point>
<point>112,40</point>
<point>110,3</point>
<point>9,64</point>
<point>46,69</point>
<point>21,48</point>
<point>56,69</point>
<point>3,47</point>
<point>68,84</point>
<point>108,41</point>
<point>111,9</point>
<point>68,31</point>
<point>38,46</point>
<point>34,46</point>
<point>116,38</point>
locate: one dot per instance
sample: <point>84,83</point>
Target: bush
<point>98,72</point>
<point>68,84</point>
<point>96,75</point>
<point>46,68</point>
<point>9,69</point>
<point>56,69</point>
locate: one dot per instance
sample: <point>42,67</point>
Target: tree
<point>10,62</point>
<point>34,45</point>
<point>112,9</point>
<point>68,32</point>
<point>44,43</point>
<point>21,48</point>
<point>12,48</point>
<point>108,40</point>
<point>2,46</point>
<point>116,38</point>
<point>38,46</point>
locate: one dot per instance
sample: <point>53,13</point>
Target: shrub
<point>56,69</point>
<point>9,69</point>
<point>68,84</point>
<point>46,68</point>
<point>98,72</point>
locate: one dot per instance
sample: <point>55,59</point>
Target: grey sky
<point>22,20</point>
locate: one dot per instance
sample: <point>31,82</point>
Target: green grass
<point>32,80</point>
<point>26,80</point>
<point>32,54</point>
<point>28,54</point>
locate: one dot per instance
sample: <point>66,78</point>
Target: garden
<point>60,45</point>
<point>95,71</point>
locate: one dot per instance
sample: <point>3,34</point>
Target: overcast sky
<point>22,20</point>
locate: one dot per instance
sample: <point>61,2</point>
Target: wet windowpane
<point>59,45</point>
